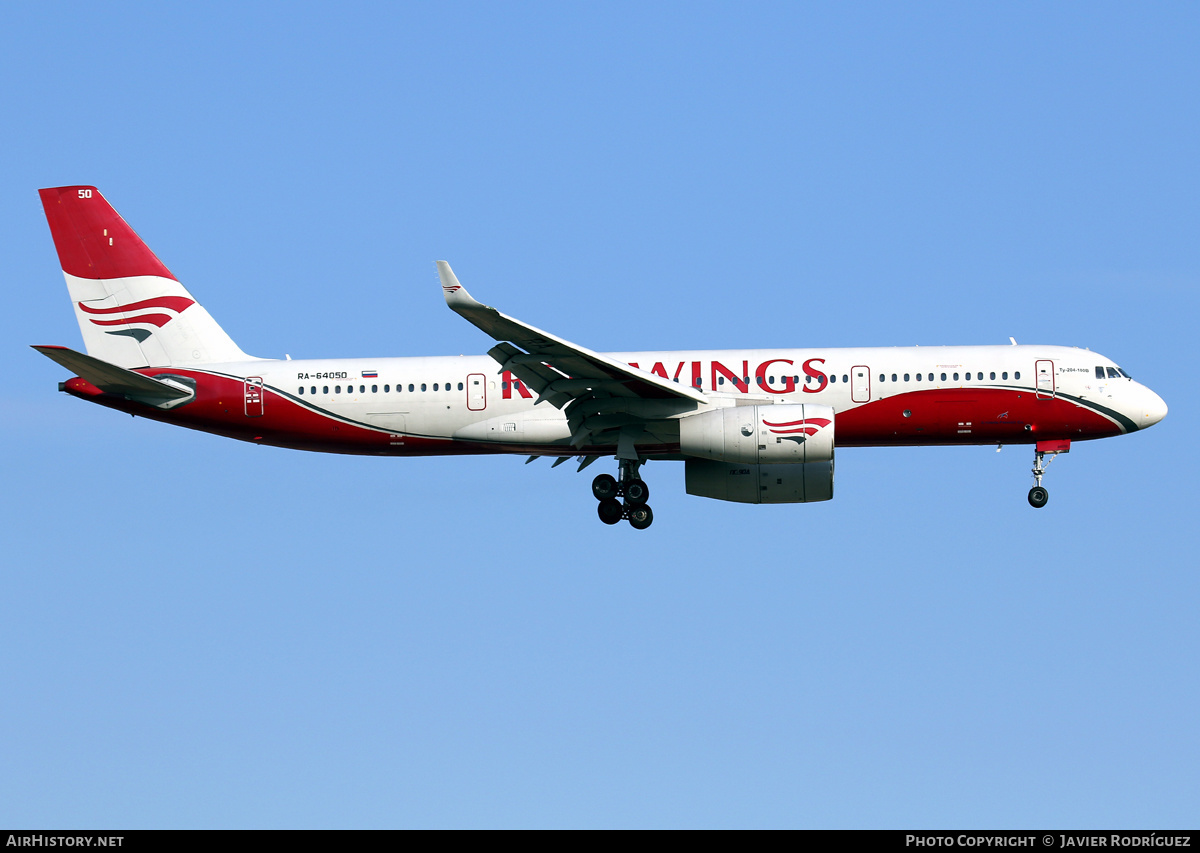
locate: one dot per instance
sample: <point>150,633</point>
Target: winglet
<point>456,295</point>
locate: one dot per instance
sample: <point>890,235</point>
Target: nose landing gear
<point>635,492</point>
<point>1038,496</point>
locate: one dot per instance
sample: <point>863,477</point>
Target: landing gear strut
<point>607,489</point>
<point>1038,495</point>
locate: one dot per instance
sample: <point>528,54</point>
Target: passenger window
<point>435,386</point>
<point>918,377</point>
<point>993,374</point>
<point>1004,375</point>
<point>337,389</point>
<point>943,377</point>
<point>931,377</point>
<point>906,377</point>
<point>387,388</point>
<point>313,389</point>
<point>833,377</point>
<point>720,380</point>
<point>882,378</point>
<point>893,377</point>
<point>362,389</point>
<point>460,387</point>
<point>956,377</point>
<point>1017,374</point>
<point>301,389</point>
<point>410,387</point>
<point>422,386</point>
<point>374,389</point>
<point>979,375</point>
<point>324,389</point>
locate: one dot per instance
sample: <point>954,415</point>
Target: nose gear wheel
<point>1038,496</point>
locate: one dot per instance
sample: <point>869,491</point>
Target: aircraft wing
<point>113,379</point>
<point>558,370</point>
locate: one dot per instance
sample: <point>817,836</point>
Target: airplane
<point>751,426</point>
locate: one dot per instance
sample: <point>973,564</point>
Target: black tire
<point>1038,497</point>
<point>604,487</point>
<point>637,492</point>
<point>610,510</point>
<point>640,517</point>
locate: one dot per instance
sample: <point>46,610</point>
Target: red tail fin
<point>92,239</point>
<point>131,311</point>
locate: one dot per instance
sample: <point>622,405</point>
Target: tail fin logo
<point>175,304</point>
<point>798,430</point>
<point>148,311</point>
<point>452,288</point>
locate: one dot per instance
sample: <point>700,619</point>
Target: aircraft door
<point>476,392</point>
<point>860,383</point>
<point>1043,371</point>
<point>254,397</point>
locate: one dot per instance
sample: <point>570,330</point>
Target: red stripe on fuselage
<point>969,416</point>
<point>950,416</point>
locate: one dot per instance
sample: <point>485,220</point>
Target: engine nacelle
<point>760,454</point>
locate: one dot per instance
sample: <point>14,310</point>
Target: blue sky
<point>202,633</point>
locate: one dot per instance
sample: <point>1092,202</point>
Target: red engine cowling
<point>779,453</point>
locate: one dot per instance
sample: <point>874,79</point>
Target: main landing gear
<point>1038,495</point>
<point>635,492</point>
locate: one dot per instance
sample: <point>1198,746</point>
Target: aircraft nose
<point>1154,409</point>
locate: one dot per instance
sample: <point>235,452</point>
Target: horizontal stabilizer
<point>115,380</point>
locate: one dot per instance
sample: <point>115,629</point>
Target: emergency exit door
<point>476,392</point>
<point>860,383</point>
<point>254,396</point>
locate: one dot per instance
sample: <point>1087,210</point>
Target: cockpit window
<point>1113,374</point>
<point>1123,373</point>
<point>1099,371</point>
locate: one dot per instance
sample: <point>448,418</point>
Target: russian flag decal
<point>370,374</point>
